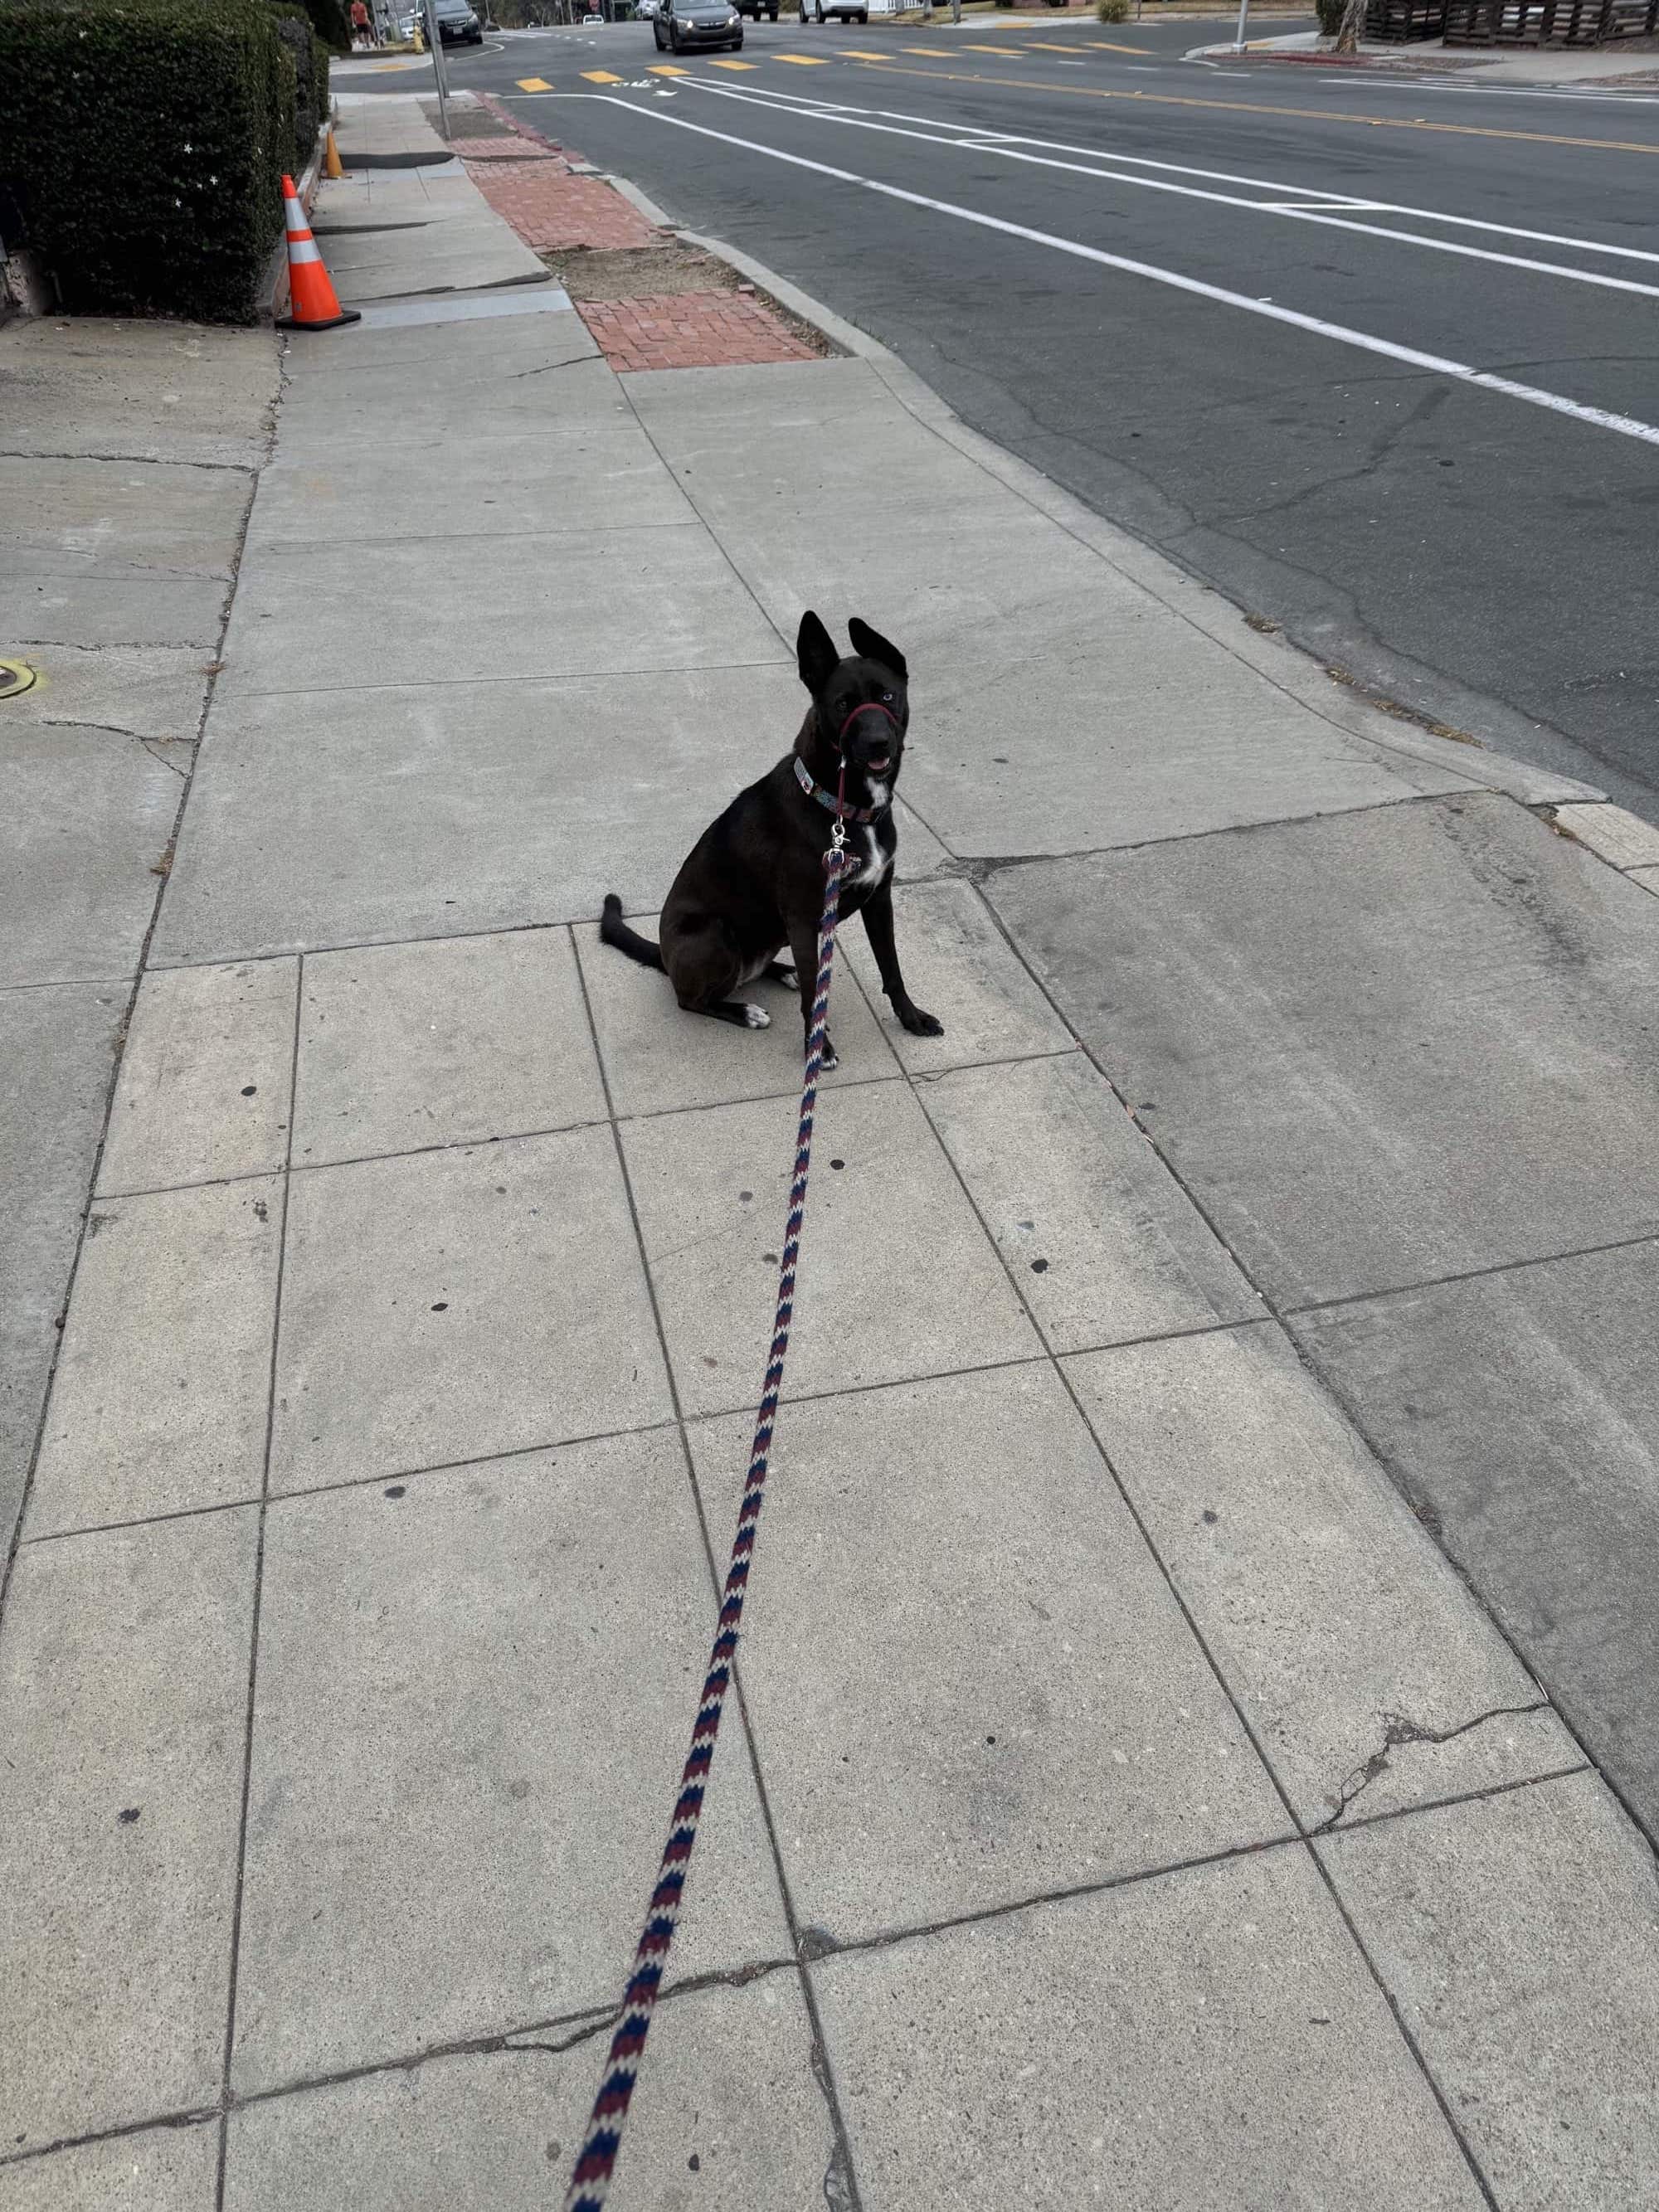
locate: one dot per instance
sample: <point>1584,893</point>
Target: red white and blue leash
<point>596,2162</point>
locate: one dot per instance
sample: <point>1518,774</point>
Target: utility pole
<point>435,38</point>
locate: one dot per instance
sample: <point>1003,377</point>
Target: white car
<point>646,12</point>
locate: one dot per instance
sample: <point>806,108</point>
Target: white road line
<point>1302,194</point>
<point>1330,216</point>
<point>1379,83</point>
<point>1555,403</point>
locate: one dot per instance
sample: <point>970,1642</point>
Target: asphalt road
<point>1250,396</point>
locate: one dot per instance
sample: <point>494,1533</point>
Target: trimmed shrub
<point>1112,11</point>
<point>306,51</point>
<point>1329,13</point>
<point>148,154</point>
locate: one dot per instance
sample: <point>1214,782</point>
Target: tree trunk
<point>1353,20</point>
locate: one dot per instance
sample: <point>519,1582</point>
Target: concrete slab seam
<point>1138,1519</point>
<point>234,1959</point>
<point>163,870</point>
<point>1442,2096</point>
<point>585,2022</point>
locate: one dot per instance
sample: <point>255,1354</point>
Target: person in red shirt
<point>363,25</point>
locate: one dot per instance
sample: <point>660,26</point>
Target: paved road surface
<point>1476,553</point>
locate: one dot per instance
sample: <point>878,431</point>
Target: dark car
<point>759,8</point>
<point>686,24</point>
<point>458,25</point>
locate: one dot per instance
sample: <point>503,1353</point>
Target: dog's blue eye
<point>887,698</point>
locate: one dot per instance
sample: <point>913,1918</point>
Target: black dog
<point>754,881</point>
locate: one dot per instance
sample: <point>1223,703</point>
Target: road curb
<point>1331,694</point>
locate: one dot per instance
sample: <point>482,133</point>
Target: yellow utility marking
<point>600,77</point>
<point>541,84</point>
<point>731,64</point>
<point>668,68</point>
<point>1259,108</point>
<point>803,61</point>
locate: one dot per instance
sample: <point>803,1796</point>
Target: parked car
<point>837,11</point>
<point>682,25</point>
<point>759,8</point>
<point>458,25</point>
<point>646,12</point>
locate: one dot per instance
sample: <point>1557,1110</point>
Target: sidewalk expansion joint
<point>211,669</point>
<point>977,867</point>
<point>535,676</point>
<point>1470,1274</point>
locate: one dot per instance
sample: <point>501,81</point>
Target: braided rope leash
<point>596,2162</point>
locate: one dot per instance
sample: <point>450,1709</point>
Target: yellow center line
<point>600,77</point>
<point>731,64</point>
<point>1259,108</point>
<point>541,84</point>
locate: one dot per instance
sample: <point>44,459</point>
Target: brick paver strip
<point>689,330</point>
<point>504,148</point>
<point>549,209</point>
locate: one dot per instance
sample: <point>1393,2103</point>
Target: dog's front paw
<point>829,1058</point>
<point>921,1024</point>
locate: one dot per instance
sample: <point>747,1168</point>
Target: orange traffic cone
<point>311,299</point>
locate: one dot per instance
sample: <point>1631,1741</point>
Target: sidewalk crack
<point>115,730</point>
<point>1399,1729</point>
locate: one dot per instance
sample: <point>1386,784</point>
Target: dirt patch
<point>671,268</point>
<point>595,273</point>
<point>466,121</point>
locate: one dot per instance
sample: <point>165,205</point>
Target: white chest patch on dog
<point>873,866</point>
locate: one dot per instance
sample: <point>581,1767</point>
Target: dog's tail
<point>615,931</point>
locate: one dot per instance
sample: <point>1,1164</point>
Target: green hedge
<point>145,141</point>
<point>309,56</point>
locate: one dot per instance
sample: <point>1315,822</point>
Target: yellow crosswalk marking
<point>938,54</point>
<point>600,77</point>
<point>1016,51</point>
<point>802,61</point>
<point>534,84</point>
<point>730,64</point>
<point>668,68</point>
<point>860,54</point>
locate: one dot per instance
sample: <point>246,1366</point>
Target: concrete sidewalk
<point>1130,1800</point>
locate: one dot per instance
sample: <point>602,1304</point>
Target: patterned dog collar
<point>828,801</point>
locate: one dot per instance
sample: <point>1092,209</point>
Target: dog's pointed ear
<point>815,654</point>
<point>873,646</point>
